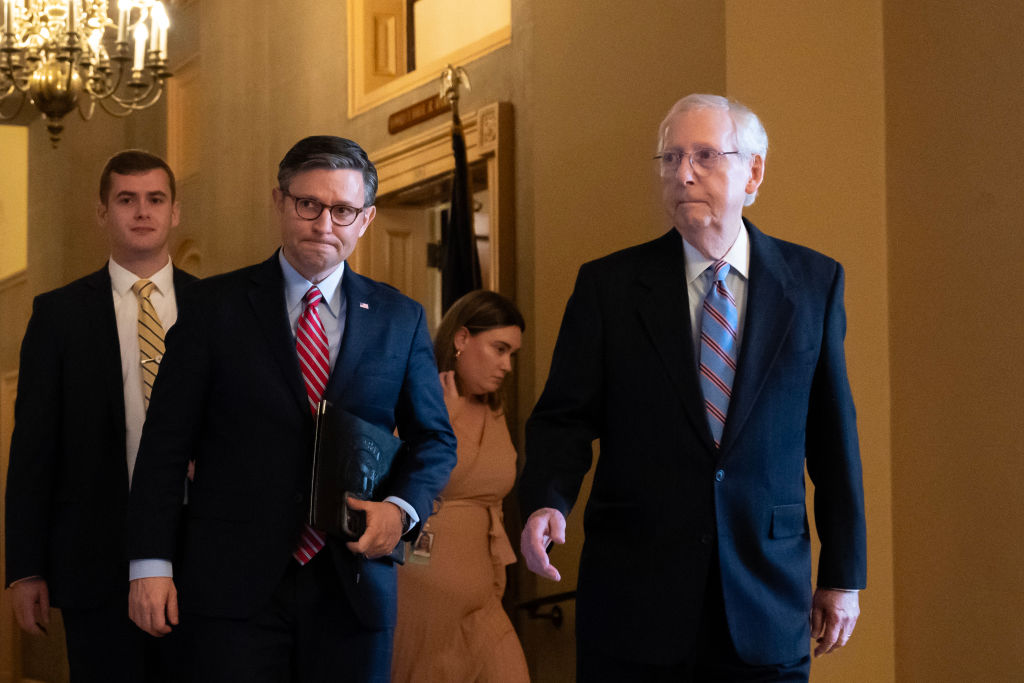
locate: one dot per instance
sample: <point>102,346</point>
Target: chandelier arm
<point>143,100</point>
<point>17,110</point>
<point>92,109</point>
<point>12,70</point>
<point>127,108</point>
<point>107,89</point>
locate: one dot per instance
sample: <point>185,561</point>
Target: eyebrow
<point>129,193</point>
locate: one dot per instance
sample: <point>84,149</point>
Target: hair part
<point>477,311</point>
<point>133,162</point>
<point>751,137</point>
<point>329,152</point>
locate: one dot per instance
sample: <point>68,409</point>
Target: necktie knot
<point>313,297</point>
<point>143,288</point>
<point>719,270</point>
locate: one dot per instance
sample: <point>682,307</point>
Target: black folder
<point>351,457</point>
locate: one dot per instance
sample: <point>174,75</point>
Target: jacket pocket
<point>788,520</point>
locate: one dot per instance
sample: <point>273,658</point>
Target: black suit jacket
<point>67,486</point>
<point>664,498</point>
<point>230,394</point>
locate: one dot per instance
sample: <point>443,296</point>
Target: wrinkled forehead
<point>702,127</point>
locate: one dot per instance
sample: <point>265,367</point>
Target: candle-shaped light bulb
<point>123,9</point>
<point>161,23</point>
<point>72,21</point>
<point>141,34</point>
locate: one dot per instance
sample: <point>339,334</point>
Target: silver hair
<point>751,137</point>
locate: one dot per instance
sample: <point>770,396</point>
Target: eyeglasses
<point>703,160</point>
<point>310,209</point>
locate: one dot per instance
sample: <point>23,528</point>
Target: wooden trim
<point>361,100</point>
<point>489,134</point>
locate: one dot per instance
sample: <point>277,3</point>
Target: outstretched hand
<point>544,527</point>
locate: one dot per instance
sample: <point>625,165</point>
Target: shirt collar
<point>296,286</point>
<point>122,279</point>
<point>738,257</point>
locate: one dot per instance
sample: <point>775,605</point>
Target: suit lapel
<point>267,298</point>
<point>100,313</point>
<point>665,313</point>
<point>770,311</point>
<point>362,318</point>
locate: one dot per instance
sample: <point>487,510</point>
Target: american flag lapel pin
<point>363,304</point>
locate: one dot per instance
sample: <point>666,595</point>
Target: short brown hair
<point>132,162</point>
<point>478,311</point>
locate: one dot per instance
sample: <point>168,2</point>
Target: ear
<point>756,174</point>
<point>278,198</point>
<point>461,337</point>
<point>175,214</point>
<point>369,214</point>
<point>101,214</point>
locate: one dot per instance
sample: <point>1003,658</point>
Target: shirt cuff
<point>414,519</point>
<point>147,569</point>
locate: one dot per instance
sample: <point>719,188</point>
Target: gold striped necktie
<point>151,338</point>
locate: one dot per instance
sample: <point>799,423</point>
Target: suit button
<point>719,475</point>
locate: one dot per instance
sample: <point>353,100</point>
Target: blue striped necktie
<point>718,329</point>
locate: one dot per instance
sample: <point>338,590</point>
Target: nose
<point>506,364</point>
<point>323,224</point>
<point>685,173</point>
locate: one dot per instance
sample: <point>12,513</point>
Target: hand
<point>383,528</point>
<point>31,601</point>
<point>451,390</point>
<point>833,617</point>
<point>153,604</point>
<point>544,526</point>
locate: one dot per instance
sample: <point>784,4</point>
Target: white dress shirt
<point>699,280</point>
<point>126,311</point>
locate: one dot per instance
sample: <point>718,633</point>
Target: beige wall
<point>815,73</point>
<point>892,127</point>
<point>953,109</point>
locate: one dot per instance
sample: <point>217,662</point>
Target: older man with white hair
<point>710,365</point>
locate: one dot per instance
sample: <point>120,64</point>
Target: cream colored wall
<point>13,200</point>
<point>814,72</point>
<point>439,23</point>
<point>953,108</point>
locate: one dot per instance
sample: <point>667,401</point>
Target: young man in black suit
<point>82,393</point>
<point>709,362</point>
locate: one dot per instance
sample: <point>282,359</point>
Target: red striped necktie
<point>718,330</point>
<point>311,344</point>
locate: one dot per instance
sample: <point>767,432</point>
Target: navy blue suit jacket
<point>67,487</point>
<point>230,394</point>
<point>663,497</point>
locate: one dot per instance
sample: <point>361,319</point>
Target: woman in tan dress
<point>451,625</point>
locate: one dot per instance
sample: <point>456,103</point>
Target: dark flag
<point>460,264</point>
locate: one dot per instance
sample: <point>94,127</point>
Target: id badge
<point>422,546</point>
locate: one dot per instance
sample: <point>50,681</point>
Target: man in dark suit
<point>710,364</point>
<point>78,418</point>
<point>265,598</point>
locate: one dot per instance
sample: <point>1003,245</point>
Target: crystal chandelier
<point>52,53</point>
